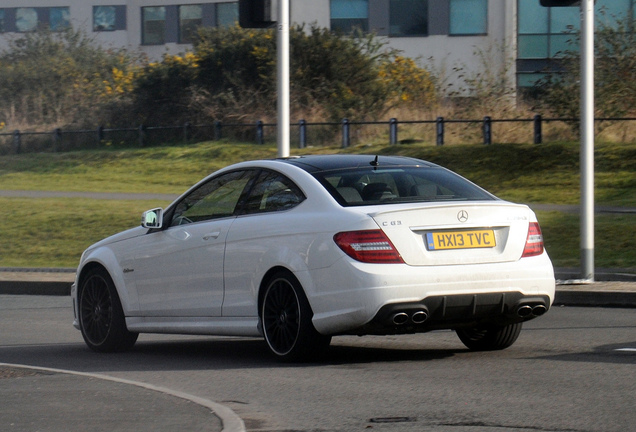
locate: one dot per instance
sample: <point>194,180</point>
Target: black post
<point>100,135</point>
<point>142,133</point>
<point>538,136</point>
<point>218,130</point>
<point>346,141</point>
<point>17,142</point>
<point>57,139</point>
<point>259,132</point>
<point>302,125</point>
<point>186,132</point>
<point>439,126</point>
<point>393,131</point>
<point>487,130</point>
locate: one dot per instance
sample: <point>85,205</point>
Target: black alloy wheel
<point>286,317</point>
<point>101,316</point>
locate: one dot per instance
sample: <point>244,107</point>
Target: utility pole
<point>283,78</point>
<point>259,14</point>
<point>587,140</point>
<point>587,130</point>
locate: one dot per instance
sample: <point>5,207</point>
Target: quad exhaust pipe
<point>525,311</point>
<point>402,318</point>
<point>420,316</point>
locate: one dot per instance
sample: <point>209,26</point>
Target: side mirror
<point>152,219</point>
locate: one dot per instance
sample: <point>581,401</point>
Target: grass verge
<point>54,232</point>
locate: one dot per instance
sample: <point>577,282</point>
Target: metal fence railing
<point>304,133</point>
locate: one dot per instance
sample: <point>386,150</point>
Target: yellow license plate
<point>444,240</point>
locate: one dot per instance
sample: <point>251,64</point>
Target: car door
<point>263,231</point>
<point>179,269</point>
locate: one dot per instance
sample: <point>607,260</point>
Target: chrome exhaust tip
<point>539,310</point>
<point>400,318</point>
<point>524,311</point>
<point>419,317</point>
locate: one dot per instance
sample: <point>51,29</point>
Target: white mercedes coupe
<point>301,249</point>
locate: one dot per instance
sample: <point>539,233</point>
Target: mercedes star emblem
<point>462,216</point>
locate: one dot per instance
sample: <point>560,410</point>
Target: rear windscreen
<point>372,186</point>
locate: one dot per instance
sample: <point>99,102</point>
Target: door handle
<point>212,235</point>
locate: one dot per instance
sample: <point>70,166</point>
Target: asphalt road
<point>572,370</point>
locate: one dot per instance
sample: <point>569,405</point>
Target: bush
<point>58,79</point>
<point>614,74</point>
<point>339,73</point>
<point>62,79</point>
<point>231,76</point>
<point>162,91</point>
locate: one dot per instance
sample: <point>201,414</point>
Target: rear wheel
<point>286,317</point>
<point>491,337</point>
<point>101,315</point>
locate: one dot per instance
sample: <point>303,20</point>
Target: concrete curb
<point>615,299</point>
<point>35,288</point>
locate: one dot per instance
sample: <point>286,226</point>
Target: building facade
<point>520,34</point>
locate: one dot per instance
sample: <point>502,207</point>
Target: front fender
<point>104,257</point>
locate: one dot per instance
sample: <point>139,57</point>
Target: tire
<point>101,316</point>
<point>490,338</point>
<point>286,317</point>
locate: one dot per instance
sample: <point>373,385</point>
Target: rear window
<point>372,186</point>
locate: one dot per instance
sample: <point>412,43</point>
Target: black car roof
<point>315,163</point>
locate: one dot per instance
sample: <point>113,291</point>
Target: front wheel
<point>286,316</point>
<point>490,337</point>
<point>101,316</point>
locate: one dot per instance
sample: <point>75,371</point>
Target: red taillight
<point>372,246</point>
<point>534,241</point>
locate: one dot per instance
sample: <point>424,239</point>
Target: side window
<point>273,192</point>
<point>215,199</point>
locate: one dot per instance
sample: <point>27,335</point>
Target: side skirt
<point>213,326</point>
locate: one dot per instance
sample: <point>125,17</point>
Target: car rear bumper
<point>456,311</point>
<point>353,297</point>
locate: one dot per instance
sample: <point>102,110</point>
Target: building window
<point>469,17</point>
<point>153,25</point>
<point>109,18</point>
<point>347,15</point>
<point>53,18</point>
<point>190,18</point>
<point>408,17</point>
<point>546,33</point>
<point>104,18</point>
<point>2,25</point>
<point>26,19</point>
<point>59,18</point>
<point>226,14</point>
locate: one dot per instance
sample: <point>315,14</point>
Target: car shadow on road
<point>202,354</point>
